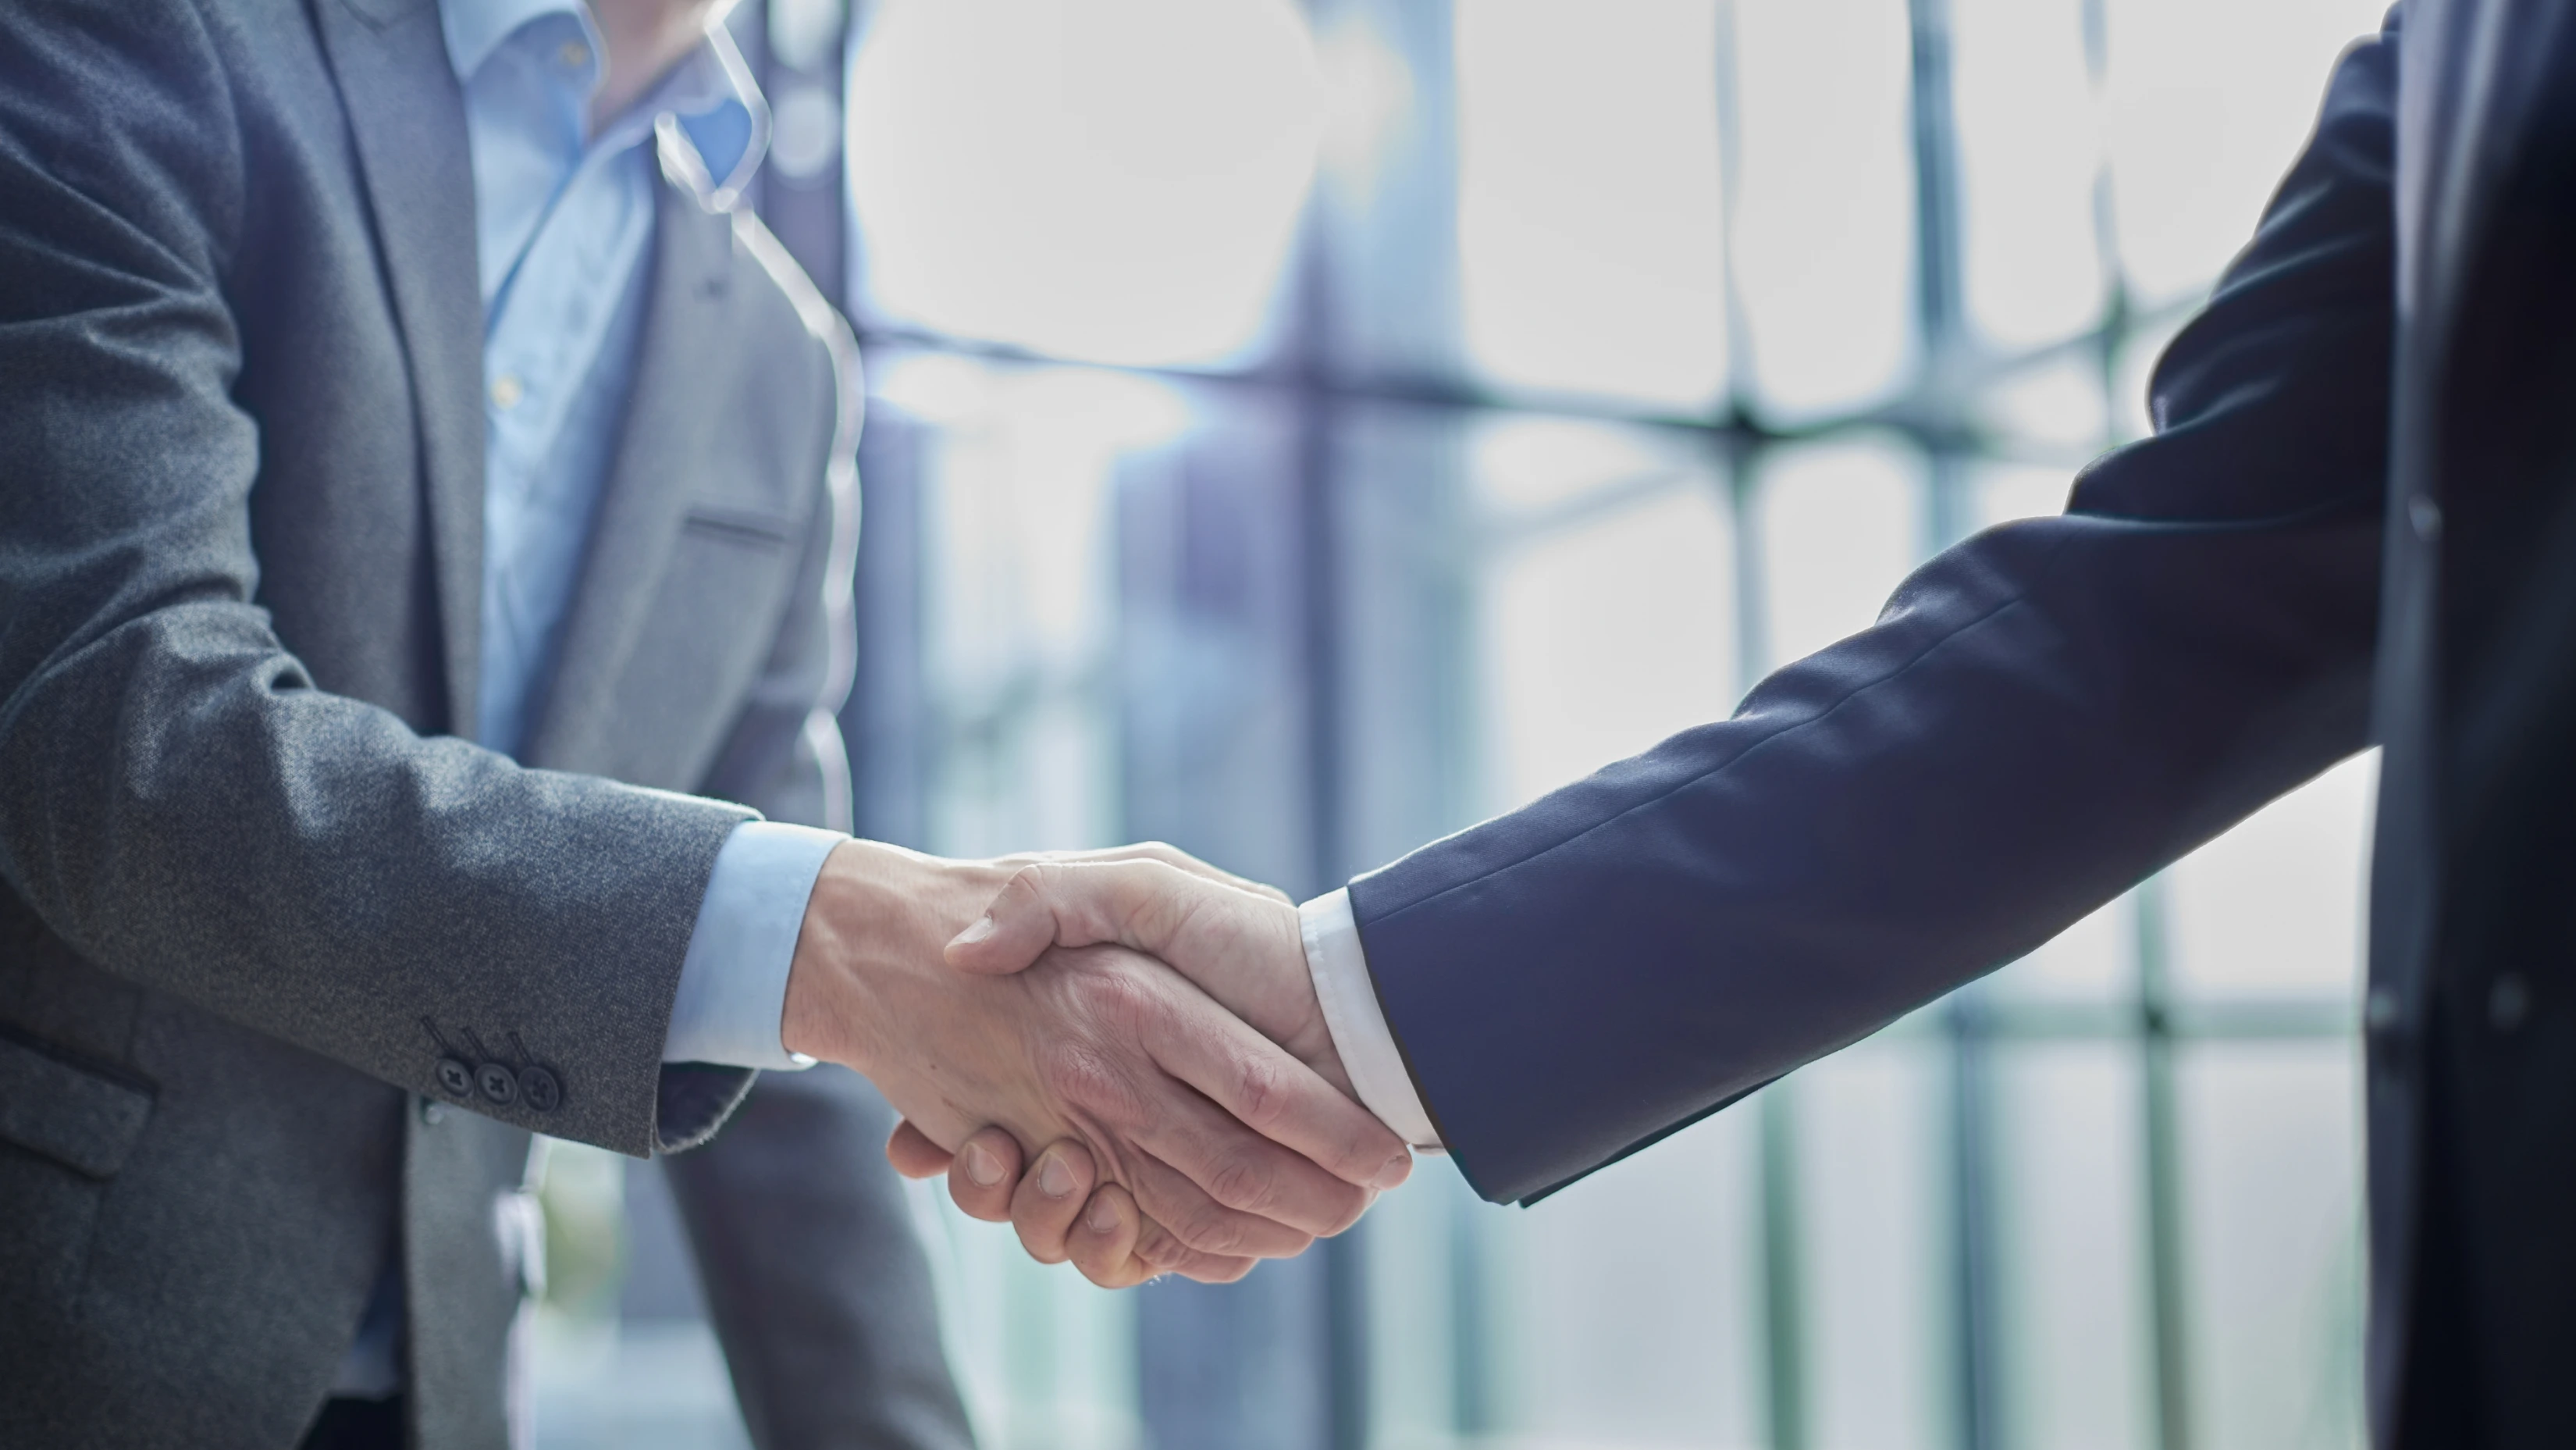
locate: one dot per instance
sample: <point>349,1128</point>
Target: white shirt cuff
<point>1340,969</point>
<point>733,982</point>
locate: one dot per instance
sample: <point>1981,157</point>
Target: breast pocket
<point>67,1125</point>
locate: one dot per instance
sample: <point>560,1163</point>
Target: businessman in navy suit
<point>2355,524</point>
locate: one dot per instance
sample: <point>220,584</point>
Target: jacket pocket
<point>85,1117</point>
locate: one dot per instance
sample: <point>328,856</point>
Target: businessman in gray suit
<point>424,562</point>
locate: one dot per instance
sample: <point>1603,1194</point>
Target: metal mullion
<point>1948,354</point>
<point>2161,1144</point>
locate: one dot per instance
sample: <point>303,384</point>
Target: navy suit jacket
<point>2351,525</point>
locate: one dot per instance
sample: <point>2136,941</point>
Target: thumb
<point>913,1154</point>
<point>1072,904</point>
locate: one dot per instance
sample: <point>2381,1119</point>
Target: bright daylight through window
<point>1300,430</point>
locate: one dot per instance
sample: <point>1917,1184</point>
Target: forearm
<point>183,809</point>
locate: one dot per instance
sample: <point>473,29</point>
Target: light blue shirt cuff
<point>733,983</point>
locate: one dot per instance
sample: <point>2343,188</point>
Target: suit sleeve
<point>178,801</point>
<point>2042,716</point>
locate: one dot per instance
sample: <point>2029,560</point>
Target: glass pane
<point>2210,101</point>
<point>1412,709</point>
<point>1875,1219</point>
<point>1608,613</point>
<point>1042,1358</point>
<point>1423,1310</point>
<point>2002,492</point>
<point>2274,906</point>
<point>2136,363</point>
<point>2071,1227</point>
<point>1019,609</point>
<point>2092,961</point>
<point>1117,180</point>
<point>1589,230</point>
<point>1841,525</point>
<point>2272,1172</point>
<point>1387,195</point>
<point>1625,1311</point>
<point>1824,200</point>
<point>2029,135</point>
<point>2054,407</point>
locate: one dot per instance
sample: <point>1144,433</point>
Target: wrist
<point>876,911</point>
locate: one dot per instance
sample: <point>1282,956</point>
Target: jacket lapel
<point>670,439</point>
<point>408,119</point>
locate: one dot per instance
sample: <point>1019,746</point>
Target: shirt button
<point>2508,1002</point>
<point>575,55</point>
<point>2425,516</point>
<point>507,391</point>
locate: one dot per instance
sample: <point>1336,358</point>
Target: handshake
<point>1140,1022</point>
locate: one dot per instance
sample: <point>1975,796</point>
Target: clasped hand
<point>1193,1124</point>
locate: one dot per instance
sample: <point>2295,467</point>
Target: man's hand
<point>1221,1146</point>
<point>1238,943</point>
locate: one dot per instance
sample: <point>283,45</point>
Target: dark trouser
<point>357,1425</point>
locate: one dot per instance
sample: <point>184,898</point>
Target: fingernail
<point>1054,1179</point>
<point>1397,1169</point>
<point>1102,1217</point>
<point>982,1166</point>
<point>976,930</point>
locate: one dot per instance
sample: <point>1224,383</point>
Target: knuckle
<point>1210,1230</point>
<point>1239,1182</point>
<point>1261,1093</point>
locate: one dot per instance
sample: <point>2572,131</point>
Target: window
<point>1298,430</point>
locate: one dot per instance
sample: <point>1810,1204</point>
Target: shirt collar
<point>476,28</point>
<point>708,115</point>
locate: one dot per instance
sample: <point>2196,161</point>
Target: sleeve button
<point>540,1088</point>
<point>455,1078</point>
<point>500,1086</point>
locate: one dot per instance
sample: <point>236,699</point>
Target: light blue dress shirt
<point>563,223</point>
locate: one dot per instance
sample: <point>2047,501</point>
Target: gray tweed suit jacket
<point>289,969</point>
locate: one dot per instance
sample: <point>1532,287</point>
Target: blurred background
<point>1298,430</point>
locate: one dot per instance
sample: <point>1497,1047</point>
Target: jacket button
<point>455,1078</point>
<point>2379,1012</point>
<point>2508,1002</point>
<point>2425,517</point>
<point>499,1084</point>
<point>540,1088</point>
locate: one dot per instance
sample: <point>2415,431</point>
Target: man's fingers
<point>1240,1170</point>
<point>1139,904</point>
<point>1050,1198</point>
<point>913,1154</point>
<point>981,1180</point>
<point>1180,860</point>
<point>1161,1253</point>
<point>1278,1097</point>
<point>1170,1198</point>
<point>1102,1241</point>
